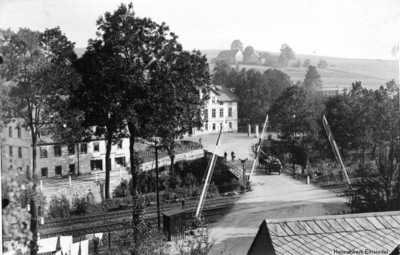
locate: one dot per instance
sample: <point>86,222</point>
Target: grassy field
<point>341,72</point>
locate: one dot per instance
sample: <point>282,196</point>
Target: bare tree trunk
<point>33,210</point>
<point>137,208</point>
<point>108,165</point>
<point>171,168</point>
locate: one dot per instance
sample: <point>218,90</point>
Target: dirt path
<point>273,196</point>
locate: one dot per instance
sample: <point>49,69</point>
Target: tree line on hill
<point>258,91</point>
<point>133,80</point>
<point>253,57</point>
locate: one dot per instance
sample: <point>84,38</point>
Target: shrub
<point>82,206</point>
<point>59,207</point>
<point>122,190</point>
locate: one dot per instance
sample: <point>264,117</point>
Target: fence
<point>181,147</point>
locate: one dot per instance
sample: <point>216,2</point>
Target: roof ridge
<point>330,233</point>
<point>328,217</point>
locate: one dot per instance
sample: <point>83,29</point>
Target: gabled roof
<point>227,54</point>
<point>224,94</point>
<point>325,234</point>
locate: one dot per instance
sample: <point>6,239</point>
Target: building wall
<point>239,57</point>
<point>23,162</point>
<point>86,160</point>
<point>213,123</point>
<point>16,161</point>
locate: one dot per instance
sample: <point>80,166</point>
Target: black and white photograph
<point>200,127</point>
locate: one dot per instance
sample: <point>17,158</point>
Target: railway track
<point>118,220</point>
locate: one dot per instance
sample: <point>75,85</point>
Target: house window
<point>19,132</point>
<point>229,103</point>
<point>43,152</point>
<point>96,147</point>
<point>229,112</point>
<point>205,114</point>
<point>57,150</point>
<point>119,145</point>
<point>230,125</point>
<point>221,113</point>
<point>213,126</point>
<point>83,148</point>
<point>11,151</point>
<point>19,152</point>
<point>213,113</point>
<point>71,168</point>
<point>10,131</point>
<point>120,161</point>
<point>58,170</point>
<point>44,171</point>
<point>221,103</point>
<point>96,164</point>
<point>71,149</point>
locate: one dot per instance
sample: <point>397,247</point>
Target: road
<point>272,196</point>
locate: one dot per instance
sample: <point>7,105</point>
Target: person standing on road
<point>200,140</point>
<point>233,156</point>
<point>225,156</point>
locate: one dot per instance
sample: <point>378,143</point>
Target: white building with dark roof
<point>221,108</point>
<point>365,233</point>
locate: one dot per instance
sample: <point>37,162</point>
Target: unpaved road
<point>272,196</point>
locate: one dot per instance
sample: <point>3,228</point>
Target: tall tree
<point>293,112</point>
<point>285,55</point>
<point>256,91</point>
<point>102,98</point>
<point>147,55</point>
<point>178,103</point>
<point>220,73</point>
<point>40,77</point>
<point>312,80</point>
<point>237,45</point>
<point>248,53</point>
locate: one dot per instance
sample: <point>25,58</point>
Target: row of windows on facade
<point>71,149</point>
<point>214,113</point>
<point>10,132</point>
<point>11,151</point>
<point>214,125</point>
<point>95,165</point>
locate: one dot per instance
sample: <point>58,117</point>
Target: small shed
<point>174,224</point>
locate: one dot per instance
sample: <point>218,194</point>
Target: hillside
<point>341,72</point>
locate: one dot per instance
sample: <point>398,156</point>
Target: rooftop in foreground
<point>333,234</point>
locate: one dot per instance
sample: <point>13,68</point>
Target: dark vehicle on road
<point>273,164</point>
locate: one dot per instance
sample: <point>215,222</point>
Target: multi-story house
<point>221,108</point>
<point>15,148</point>
<point>57,159</point>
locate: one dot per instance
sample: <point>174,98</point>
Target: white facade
<point>221,109</point>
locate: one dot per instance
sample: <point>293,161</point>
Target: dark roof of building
<point>224,93</point>
<point>324,234</point>
<point>227,54</point>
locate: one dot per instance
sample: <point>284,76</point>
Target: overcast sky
<point>341,28</point>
